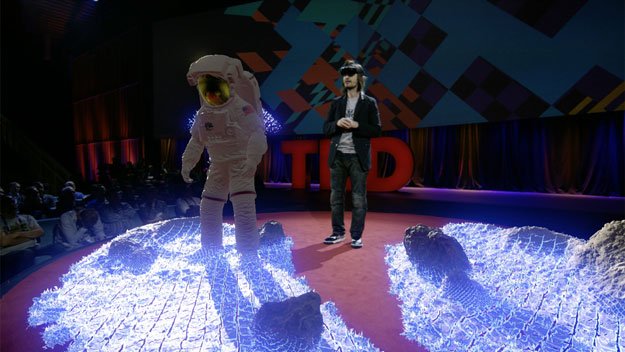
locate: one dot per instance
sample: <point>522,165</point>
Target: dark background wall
<point>48,49</point>
<point>90,81</point>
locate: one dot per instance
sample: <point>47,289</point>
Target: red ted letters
<point>404,163</point>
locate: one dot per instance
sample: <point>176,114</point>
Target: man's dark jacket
<point>368,117</point>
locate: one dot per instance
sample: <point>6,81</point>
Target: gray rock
<point>133,257</point>
<point>441,259</point>
<point>295,322</point>
<point>271,232</point>
<point>430,249</point>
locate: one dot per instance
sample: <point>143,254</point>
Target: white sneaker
<point>357,243</point>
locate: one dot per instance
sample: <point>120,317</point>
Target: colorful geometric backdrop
<point>429,62</point>
<point>440,62</point>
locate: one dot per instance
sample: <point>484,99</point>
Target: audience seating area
<point>44,252</point>
<point>47,247</point>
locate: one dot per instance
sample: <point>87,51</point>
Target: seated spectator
<point>165,193</point>
<point>17,240</point>
<point>78,195</point>
<point>14,191</point>
<point>116,169</point>
<point>66,201</point>
<point>97,198</point>
<point>48,200</point>
<point>151,208</point>
<point>32,203</point>
<point>117,216</point>
<point>79,227</point>
<point>131,195</point>
<point>188,204</point>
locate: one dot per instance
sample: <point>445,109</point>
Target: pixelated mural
<point>440,62</point>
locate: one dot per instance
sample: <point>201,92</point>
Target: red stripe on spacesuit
<point>213,198</point>
<point>240,193</point>
<point>247,109</point>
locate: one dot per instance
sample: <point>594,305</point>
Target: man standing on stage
<point>352,121</point>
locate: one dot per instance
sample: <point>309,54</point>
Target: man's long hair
<point>361,77</point>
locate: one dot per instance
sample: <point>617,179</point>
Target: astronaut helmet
<point>215,77</point>
<point>214,90</point>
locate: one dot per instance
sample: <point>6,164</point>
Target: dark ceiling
<point>80,23</point>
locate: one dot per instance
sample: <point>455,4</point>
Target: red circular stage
<point>355,280</point>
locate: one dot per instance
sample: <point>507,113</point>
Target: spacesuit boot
<point>246,232</point>
<point>211,218</point>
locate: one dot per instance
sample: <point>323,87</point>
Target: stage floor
<point>356,281</point>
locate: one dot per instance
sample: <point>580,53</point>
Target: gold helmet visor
<point>214,90</point>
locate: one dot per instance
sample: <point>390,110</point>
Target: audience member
<point>17,240</point>
<point>117,216</point>
<point>85,219</point>
<point>97,198</point>
<point>48,200</point>
<point>14,192</point>
<point>188,204</point>
<point>104,176</point>
<point>66,201</point>
<point>32,203</point>
<point>165,193</point>
<point>151,208</point>
<point>131,176</point>
<point>131,195</point>
<point>116,169</point>
<point>78,195</point>
<point>79,227</point>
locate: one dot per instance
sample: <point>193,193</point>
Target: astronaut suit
<point>231,129</point>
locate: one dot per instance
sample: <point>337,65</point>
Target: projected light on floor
<point>529,289</point>
<point>155,288</point>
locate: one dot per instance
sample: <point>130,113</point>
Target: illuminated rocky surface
<point>528,289</point>
<point>155,288</point>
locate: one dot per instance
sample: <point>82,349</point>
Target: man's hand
<point>344,122</point>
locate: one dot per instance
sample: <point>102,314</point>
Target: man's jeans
<point>344,166</point>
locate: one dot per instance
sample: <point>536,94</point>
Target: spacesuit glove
<point>186,176</point>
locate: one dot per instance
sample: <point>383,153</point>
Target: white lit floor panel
<point>530,289</point>
<point>155,289</point>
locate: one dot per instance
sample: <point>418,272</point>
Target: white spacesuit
<point>230,126</point>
